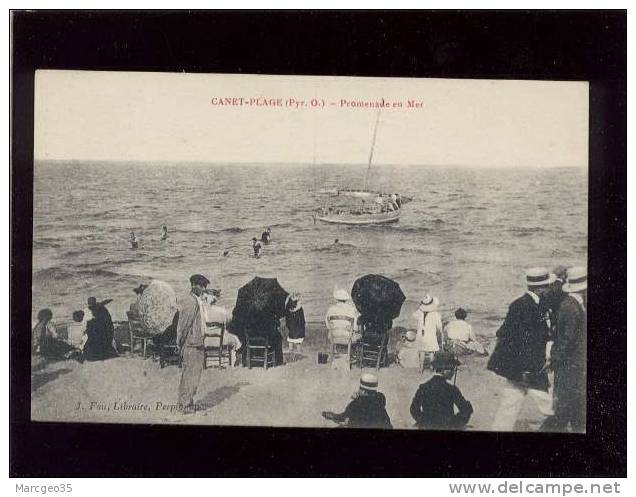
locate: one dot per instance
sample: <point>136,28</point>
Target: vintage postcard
<point>296,251</point>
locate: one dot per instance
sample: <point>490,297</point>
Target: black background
<point>562,45</point>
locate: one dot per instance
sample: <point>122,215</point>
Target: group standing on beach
<point>544,332</point>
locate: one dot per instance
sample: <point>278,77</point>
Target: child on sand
<point>295,322</point>
<point>433,406</point>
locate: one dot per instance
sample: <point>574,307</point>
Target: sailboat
<point>383,209</point>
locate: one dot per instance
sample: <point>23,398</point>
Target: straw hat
<point>342,295</point>
<point>369,381</point>
<point>429,303</point>
<point>539,276</point>
<point>577,280</point>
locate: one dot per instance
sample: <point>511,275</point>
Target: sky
<point>175,117</point>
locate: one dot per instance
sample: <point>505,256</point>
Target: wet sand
<point>129,389</point>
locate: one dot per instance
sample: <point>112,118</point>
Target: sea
<point>465,238</point>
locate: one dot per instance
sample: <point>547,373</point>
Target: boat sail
<point>384,208</point>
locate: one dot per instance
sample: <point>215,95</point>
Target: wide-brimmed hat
<point>577,280</point>
<point>92,302</point>
<point>140,289</point>
<point>539,276</point>
<point>429,303</point>
<point>340,294</point>
<point>199,279</point>
<point>444,360</point>
<point>410,336</point>
<point>369,381</point>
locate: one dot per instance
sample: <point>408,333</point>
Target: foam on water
<point>466,237</point>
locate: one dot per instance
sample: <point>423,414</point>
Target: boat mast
<point>375,131</point>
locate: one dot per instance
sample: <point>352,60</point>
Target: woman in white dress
<point>429,338</point>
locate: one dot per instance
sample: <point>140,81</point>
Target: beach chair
<point>259,350</point>
<point>213,347</point>
<point>138,333</point>
<point>373,350</point>
<point>342,335</point>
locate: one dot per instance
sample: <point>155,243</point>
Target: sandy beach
<point>130,389</point>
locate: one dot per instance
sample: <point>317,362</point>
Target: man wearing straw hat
<point>520,353</point>
<point>367,408</point>
<point>568,357</point>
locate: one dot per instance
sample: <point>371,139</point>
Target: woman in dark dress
<point>295,322</point>
<point>100,333</point>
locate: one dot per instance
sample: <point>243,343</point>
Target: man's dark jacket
<point>521,344</point>
<point>433,406</point>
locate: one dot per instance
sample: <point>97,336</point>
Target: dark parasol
<point>259,304</point>
<point>376,295</point>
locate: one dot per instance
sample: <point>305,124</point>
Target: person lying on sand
<point>367,408</point>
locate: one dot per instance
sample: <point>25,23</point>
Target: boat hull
<point>360,219</point>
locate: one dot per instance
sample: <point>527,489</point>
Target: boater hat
<point>341,295</point>
<point>429,303</point>
<point>577,280</point>
<point>369,381</point>
<point>539,276</point>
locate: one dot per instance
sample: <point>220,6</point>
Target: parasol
<point>376,295</point>
<point>259,305</point>
<point>157,306</point>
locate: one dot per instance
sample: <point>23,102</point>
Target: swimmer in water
<point>336,241</point>
<point>266,235</point>
<point>164,233</point>
<point>134,241</point>
<point>257,246</point>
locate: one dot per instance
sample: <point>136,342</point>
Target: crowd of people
<point>544,333</point>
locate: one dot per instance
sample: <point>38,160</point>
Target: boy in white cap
<point>367,408</point>
<point>520,353</point>
<point>568,357</point>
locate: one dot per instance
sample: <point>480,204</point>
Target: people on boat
<point>164,233</point>
<point>461,339</point>
<point>134,241</point>
<point>266,236</point>
<point>100,332</point>
<point>257,247</point>
<point>367,408</point>
<point>429,335</point>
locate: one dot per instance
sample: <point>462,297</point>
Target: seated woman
<point>45,341</point>
<point>461,338</point>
